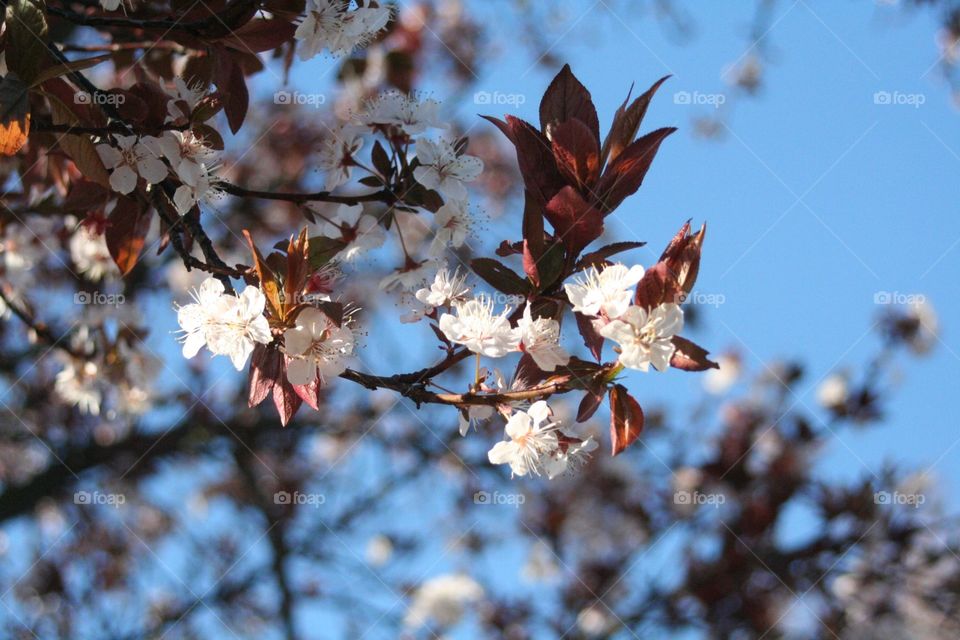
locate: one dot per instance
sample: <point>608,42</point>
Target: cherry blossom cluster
<point>339,28</point>
<point>183,154</point>
<point>644,336</point>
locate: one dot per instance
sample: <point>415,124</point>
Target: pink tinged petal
<point>297,341</point>
<point>184,198</point>
<point>468,168</point>
<point>313,322</point>
<point>123,179</point>
<point>453,188</point>
<point>301,371</point>
<point>152,169</point>
<point>110,156</point>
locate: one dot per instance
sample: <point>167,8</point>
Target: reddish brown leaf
<point>625,174</point>
<point>565,99</point>
<point>500,277</point>
<point>530,265</point>
<point>86,196</point>
<point>264,371</point>
<point>155,100</point>
<point>533,224</point>
<point>577,153</point>
<point>309,393</point>
<point>591,338</point>
<point>626,123</point>
<point>535,159</point>
<point>690,356</point>
<point>233,90</point>
<point>682,256</point>
<point>600,255</point>
<point>626,419</point>
<point>127,232</point>
<point>657,286</point>
<point>591,401</point>
<point>503,126</point>
<point>576,223</point>
<point>285,398</point>
<point>528,374</point>
<point>260,35</point>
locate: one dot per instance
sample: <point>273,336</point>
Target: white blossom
<point>184,147</point>
<point>131,158</point>
<point>181,92</point>
<point>408,113</point>
<point>78,384</point>
<point>480,330</point>
<point>718,381</point>
<point>199,319</point>
<point>442,170</point>
<point>606,291</point>
<point>569,457</point>
<point>540,340</point>
<point>199,183</point>
<point>320,348</point>
<point>242,326</point>
<point>445,290</point>
<point>228,325</point>
<point>833,392</point>
<point>331,25</point>
<point>360,231</point>
<point>443,600</point>
<point>411,276</point>
<point>336,157</point>
<point>646,338</point>
<point>89,252</point>
<point>453,224</point>
<point>533,441</point>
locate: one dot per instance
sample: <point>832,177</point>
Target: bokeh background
<point>818,140</point>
